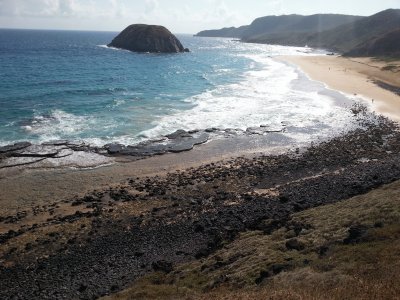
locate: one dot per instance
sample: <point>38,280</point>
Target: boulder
<point>294,244</point>
<point>147,38</point>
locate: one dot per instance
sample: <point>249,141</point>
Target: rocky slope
<point>345,250</point>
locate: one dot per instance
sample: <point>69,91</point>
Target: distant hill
<point>340,33</point>
<point>295,23</point>
<point>231,32</point>
<point>346,37</point>
<point>282,24</point>
<point>387,45</point>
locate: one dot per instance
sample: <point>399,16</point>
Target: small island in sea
<point>147,38</point>
<point>263,164</point>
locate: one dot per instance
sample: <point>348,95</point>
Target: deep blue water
<point>44,74</point>
<point>69,85</point>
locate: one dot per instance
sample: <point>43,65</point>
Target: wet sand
<point>27,186</point>
<point>356,76</point>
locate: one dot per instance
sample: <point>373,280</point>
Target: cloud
<point>118,8</point>
<point>151,7</point>
<point>26,8</point>
<point>219,14</point>
<point>177,15</point>
<point>152,12</point>
<point>61,8</point>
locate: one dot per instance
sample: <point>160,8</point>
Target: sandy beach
<point>356,76</point>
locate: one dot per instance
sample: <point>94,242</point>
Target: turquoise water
<point>69,85</point>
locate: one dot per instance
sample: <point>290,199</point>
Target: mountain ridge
<point>283,23</point>
<point>341,33</point>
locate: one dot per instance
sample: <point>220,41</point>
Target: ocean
<point>70,85</point>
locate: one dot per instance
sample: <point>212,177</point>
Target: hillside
<point>347,250</point>
<point>387,45</point>
<point>346,37</point>
<point>232,32</point>
<point>335,32</point>
<point>282,24</point>
<point>296,23</point>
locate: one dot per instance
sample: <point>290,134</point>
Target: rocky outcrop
<point>147,38</point>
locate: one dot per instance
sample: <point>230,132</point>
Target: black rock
<point>178,134</point>
<point>356,233</point>
<point>114,148</point>
<point>262,276</point>
<point>294,244</point>
<point>163,266</point>
<point>147,38</point>
<point>186,144</point>
<point>278,268</point>
<point>144,150</point>
<point>14,147</point>
<point>38,151</point>
<point>56,143</point>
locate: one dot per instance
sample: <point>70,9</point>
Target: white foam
<point>115,103</point>
<point>57,125</point>
<point>111,48</point>
<point>265,96</point>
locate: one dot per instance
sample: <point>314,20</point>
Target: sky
<point>179,16</point>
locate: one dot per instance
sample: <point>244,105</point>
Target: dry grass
<point>366,269</point>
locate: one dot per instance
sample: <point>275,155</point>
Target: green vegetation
<point>347,250</point>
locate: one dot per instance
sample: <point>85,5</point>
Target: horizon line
<point>81,30</point>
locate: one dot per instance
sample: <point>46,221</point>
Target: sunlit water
<point>69,85</point>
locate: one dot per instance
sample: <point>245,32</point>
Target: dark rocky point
<point>147,38</point>
<point>294,244</point>
<point>14,147</point>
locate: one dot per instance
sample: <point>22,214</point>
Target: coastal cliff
<point>147,38</point>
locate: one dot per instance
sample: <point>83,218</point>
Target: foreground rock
<point>178,141</point>
<point>51,154</point>
<point>147,38</point>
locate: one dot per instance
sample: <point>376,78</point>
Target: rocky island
<point>147,38</point>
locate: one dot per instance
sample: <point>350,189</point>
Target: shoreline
<point>112,164</point>
<point>107,238</point>
<point>41,183</point>
<point>111,225</point>
<point>355,76</point>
